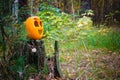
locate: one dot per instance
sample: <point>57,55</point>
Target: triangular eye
<point>40,23</point>
<point>36,24</point>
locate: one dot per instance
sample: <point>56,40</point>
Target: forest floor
<point>88,64</point>
<point>91,65</point>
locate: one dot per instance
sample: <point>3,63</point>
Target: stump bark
<point>38,57</point>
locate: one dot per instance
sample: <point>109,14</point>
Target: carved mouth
<point>40,32</point>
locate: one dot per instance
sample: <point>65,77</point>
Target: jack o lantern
<point>34,27</point>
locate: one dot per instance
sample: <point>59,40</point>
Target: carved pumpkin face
<point>34,28</point>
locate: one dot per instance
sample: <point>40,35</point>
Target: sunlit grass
<point>104,38</point>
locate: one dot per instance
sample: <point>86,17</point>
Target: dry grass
<point>91,65</point>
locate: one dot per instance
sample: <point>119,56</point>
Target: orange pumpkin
<point>34,27</point>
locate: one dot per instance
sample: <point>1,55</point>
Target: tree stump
<point>39,57</point>
<point>36,53</point>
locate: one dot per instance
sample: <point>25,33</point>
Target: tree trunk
<point>73,10</point>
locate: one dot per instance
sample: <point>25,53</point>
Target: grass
<point>95,38</point>
<point>109,40</point>
<point>78,49</point>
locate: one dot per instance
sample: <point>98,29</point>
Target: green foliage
<point>85,22</point>
<point>53,19</point>
<point>88,13</point>
<point>45,7</point>
<point>56,25</point>
<point>14,36</point>
<point>17,65</point>
<point>21,33</point>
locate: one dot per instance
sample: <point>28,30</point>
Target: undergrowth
<point>72,35</point>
